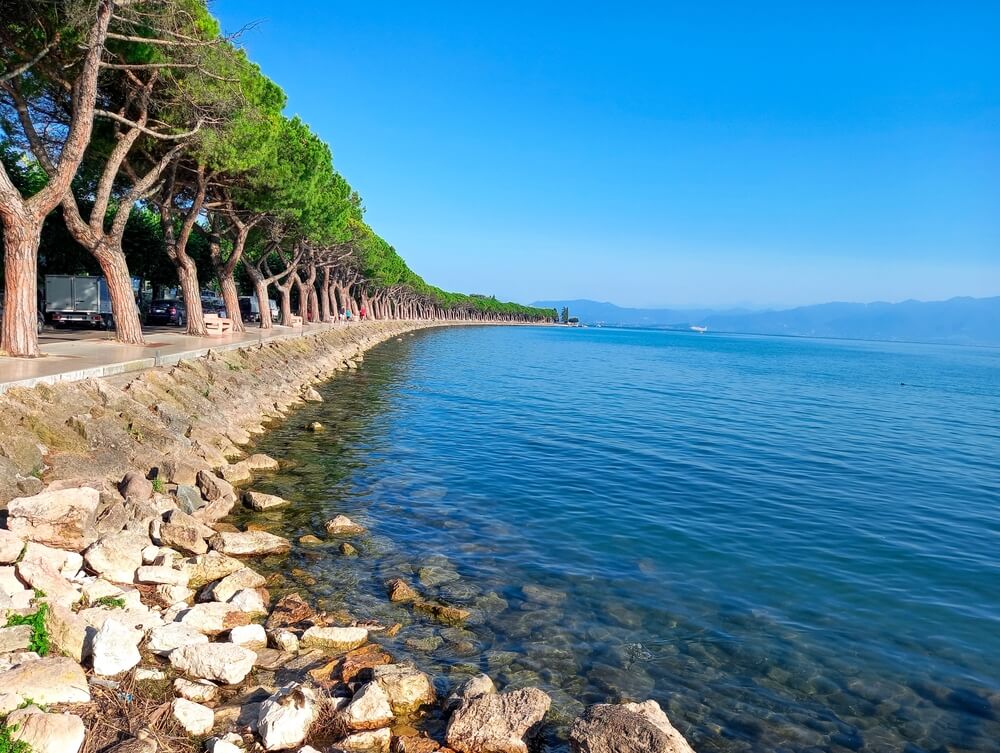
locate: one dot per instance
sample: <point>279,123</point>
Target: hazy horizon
<point>776,153</point>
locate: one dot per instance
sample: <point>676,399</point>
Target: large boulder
<point>64,518</point>
<point>204,568</point>
<point>52,680</point>
<point>407,687</point>
<point>285,717</point>
<point>46,733</point>
<point>136,487</point>
<point>222,662</point>
<point>117,557</point>
<point>69,632</point>
<point>497,723</point>
<point>626,728</point>
<point>212,617</point>
<point>115,648</point>
<point>369,709</point>
<point>43,579</point>
<point>248,543</point>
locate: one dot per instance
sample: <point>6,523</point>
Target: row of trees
<point>123,115</point>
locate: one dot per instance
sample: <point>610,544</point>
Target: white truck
<point>78,299</point>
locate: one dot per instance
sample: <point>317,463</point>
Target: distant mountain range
<point>965,321</point>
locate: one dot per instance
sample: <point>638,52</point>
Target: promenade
<point>69,354</point>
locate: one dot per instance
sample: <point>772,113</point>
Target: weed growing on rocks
<point>39,632</point>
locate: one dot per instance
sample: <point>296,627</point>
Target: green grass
<point>111,602</point>
<point>40,633</point>
<point>158,486</point>
<point>12,746</point>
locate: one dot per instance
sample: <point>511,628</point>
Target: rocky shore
<point>134,619</point>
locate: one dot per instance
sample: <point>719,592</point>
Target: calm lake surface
<point>792,545</point>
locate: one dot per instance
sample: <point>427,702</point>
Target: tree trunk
<point>263,303</point>
<point>20,259</point>
<point>324,296</point>
<point>231,297</point>
<point>128,327</point>
<point>286,303</point>
<point>188,274</point>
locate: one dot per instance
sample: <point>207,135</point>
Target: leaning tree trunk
<point>128,327</point>
<point>231,297</point>
<point>188,274</point>
<point>20,259</point>
<point>263,303</point>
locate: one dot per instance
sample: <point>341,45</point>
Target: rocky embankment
<point>135,621</point>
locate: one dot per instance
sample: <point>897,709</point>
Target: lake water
<point>792,545</point>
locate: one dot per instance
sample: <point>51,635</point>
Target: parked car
<point>167,311</point>
<point>249,310</point>
<point>213,305</point>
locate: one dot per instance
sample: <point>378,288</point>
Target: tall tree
<point>43,45</point>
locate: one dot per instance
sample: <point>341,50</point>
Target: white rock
<point>336,638</point>
<point>249,601</point>
<point>225,588</point>
<point>246,543</point>
<point>193,717</point>
<point>407,687</point>
<point>46,733</point>
<point>158,574</point>
<point>116,557</point>
<point>251,636</point>
<point>341,524</point>
<point>370,741</point>
<point>41,577</point>
<point>260,501</point>
<point>285,717</point>
<point>199,691</point>
<point>286,640</point>
<point>11,546</point>
<point>223,662</point>
<point>163,640</point>
<point>174,594</point>
<point>369,709</point>
<point>115,648</point>
<point>211,618</point>
<point>54,679</point>
<point>217,745</point>
<point>65,519</point>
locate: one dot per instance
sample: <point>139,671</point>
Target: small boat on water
<point>699,330</point>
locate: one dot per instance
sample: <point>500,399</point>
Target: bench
<point>294,321</point>
<point>218,325</point>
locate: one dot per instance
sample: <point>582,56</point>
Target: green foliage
<point>40,633</point>
<point>158,485</point>
<point>7,745</point>
<point>112,602</point>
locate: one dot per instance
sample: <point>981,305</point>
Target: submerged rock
<point>260,501</point>
<point>249,543</point>
<point>400,590</point>
<point>342,525</point>
<point>497,723</point>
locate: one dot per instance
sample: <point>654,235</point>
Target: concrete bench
<point>294,321</point>
<point>218,325</point>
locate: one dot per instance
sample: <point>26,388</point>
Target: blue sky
<point>661,153</point>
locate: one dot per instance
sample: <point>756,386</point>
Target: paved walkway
<point>82,354</point>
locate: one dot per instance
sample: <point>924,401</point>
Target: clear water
<point>792,545</point>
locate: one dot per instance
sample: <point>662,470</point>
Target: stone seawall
<point>132,612</point>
